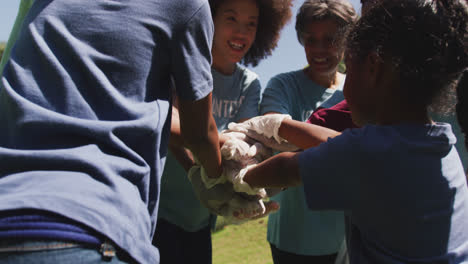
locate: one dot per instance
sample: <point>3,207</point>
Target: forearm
<point>175,139</point>
<point>279,171</point>
<point>200,134</point>
<point>183,156</point>
<point>305,135</point>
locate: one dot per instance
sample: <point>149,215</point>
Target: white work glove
<point>238,157</point>
<point>215,198</point>
<point>237,179</point>
<point>264,129</point>
<point>267,125</point>
<point>221,199</point>
<point>248,207</point>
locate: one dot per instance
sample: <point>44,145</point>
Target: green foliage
<point>342,67</point>
<point>2,49</point>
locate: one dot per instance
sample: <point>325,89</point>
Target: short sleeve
<point>275,98</point>
<point>191,56</point>
<point>251,99</point>
<point>330,172</point>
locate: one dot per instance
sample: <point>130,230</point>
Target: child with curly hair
<point>398,177</point>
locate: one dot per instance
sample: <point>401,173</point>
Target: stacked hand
<point>228,195</point>
<point>221,199</point>
<point>265,129</point>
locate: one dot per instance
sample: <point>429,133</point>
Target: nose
<point>242,29</point>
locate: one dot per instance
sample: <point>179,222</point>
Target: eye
<point>231,18</point>
<point>310,41</point>
<point>330,41</point>
<point>252,24</point>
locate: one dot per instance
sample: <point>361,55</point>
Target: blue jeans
<point>45,252</point>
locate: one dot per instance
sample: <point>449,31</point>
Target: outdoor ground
<point>241,244</point>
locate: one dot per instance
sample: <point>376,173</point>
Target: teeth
<point>236,45</point>
<point>320,60</point>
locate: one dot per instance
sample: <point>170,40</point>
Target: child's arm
<point>305,135</point>
<point>280,127</point>
<point>279,171</point>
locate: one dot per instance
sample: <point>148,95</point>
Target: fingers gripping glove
<point>237,150</point>
<point>216,198</point>
<point>240,185</point>
<point>267,125</point>
<point>210,182</point>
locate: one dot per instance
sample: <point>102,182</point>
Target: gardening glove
<point>255,209</point>
<point>237,179</point>
<point>267,125</point>
<point>238,135</point>
<point>207,181</point>
<point>215,198</point>
<point>264,129</point>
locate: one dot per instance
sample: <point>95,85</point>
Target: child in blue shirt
<point>398,177</point>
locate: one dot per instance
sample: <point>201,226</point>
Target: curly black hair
<point>425,40</point>
<point>273,15</point>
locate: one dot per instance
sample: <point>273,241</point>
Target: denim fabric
<point>45,252</point>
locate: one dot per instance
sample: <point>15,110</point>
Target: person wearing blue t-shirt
<point>85,103</point>
<point>246,31</point>
<point>399,177</point>
<point>296,234</point>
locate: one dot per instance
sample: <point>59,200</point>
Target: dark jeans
<point>283,257</point>
<point>45,252</point>
<point>177,246</point>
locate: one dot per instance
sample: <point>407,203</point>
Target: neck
<point>325,80</point>
<point>224,68</point>
<point>399,113</point>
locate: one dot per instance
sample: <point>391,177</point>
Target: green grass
<point>239,244</point>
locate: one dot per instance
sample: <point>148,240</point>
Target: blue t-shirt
<point>84,103</point>
<point>403,188</point>
<point>460,145</point>
<point>235,97</point>
<point>295,228</point>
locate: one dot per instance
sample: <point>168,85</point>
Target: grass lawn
<point>241,244</point>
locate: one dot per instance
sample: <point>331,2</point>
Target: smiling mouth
<point>320,60</point>
<point>236,46</point>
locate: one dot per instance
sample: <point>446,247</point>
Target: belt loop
<point>107,250</point>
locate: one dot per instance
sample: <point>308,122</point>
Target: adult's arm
<point>200,134</point>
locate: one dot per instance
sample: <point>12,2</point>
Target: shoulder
<point>288,76</point>
<point>182,12</point>
<point>247,76</point>
<point>286,80</point>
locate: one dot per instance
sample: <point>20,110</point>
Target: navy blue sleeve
<point>330,172</point>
